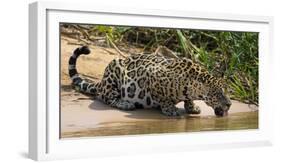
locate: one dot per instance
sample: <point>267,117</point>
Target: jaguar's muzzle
<point>220,112</point>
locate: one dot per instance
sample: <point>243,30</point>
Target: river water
<point>235,121</point>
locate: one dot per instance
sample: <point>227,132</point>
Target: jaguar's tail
<point>79,83</point>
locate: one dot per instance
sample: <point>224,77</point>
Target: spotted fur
<point>150,81</point>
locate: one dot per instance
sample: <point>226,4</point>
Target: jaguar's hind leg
<point>111,93</point>
<point>112,97</point>
<point>122,104</point>
<point>191,108</point>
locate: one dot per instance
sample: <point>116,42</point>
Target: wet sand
<point>236,121</point>
<point>82,116</point>
<point>85,117</point>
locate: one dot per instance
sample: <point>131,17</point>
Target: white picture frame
<point>44,141</point>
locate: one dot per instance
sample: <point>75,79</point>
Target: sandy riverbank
<point>79,112</point>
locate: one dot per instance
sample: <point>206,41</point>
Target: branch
<point>114,46</point>
<point>164,51</point>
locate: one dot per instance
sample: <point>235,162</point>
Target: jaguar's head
<point>218,100</point>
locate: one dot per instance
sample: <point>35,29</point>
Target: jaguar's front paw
<point>193,110</point>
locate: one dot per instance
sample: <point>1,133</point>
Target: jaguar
<point>153,81</point>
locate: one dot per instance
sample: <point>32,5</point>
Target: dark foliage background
<point>232,55</point>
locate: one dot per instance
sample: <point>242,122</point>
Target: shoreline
<point>88,114</point>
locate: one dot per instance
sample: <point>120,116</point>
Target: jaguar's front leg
<point>169,109</point>
<point>190,107</point>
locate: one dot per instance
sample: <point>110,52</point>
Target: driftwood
<point>74,43</point>
<point>164,51</point>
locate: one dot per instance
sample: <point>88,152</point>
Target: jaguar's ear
<point>222,75</point>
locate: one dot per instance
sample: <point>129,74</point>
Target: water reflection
<point>248,120</point>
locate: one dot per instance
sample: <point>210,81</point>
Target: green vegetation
<point>232,55</point>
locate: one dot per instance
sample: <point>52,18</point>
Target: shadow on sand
<point>153,113</point>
